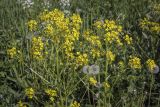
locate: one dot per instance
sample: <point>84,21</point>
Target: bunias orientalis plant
<point>61,47</point>
<point>59,34</point>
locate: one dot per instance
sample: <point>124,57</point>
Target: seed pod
<point>94,69</point>
<point>156,70</point>
<point>91,70</point>
<point>85,69</point>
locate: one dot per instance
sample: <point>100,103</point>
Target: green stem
<point>106,73</point>
<point>150,91</point>
<point>99,79</point>
<point>57,65</point>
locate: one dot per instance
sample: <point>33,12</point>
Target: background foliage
<point>16,77</point>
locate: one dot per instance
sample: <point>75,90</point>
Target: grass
<point>127,86</point>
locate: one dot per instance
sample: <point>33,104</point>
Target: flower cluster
<point>135,62</point>
<point>12,52</point>
<point>121,64</point>
<point>72,35</point>
<point>51,93</point>
<point>94,40</point>
<point>75,104</point>
<point>48,29</point>
<point>128,39</point>
<point>156,8</point>
<point>32,25</point>
<point>112,32</point>
<point>82,59</point>
<point>106,85</point>
<point>29,92</point>
<point>21,104</point>
<point>63,31</point>
<point>111,25</point>
<point>94,43</point>
<point>98,24</point>
<point>150,64</point>
<point>145,24</point>
<point>37,48</point>
<point>55,25</point>
<point>92,81</point>
<point>76,21</point>
<point>95,53</point>
<point>111,29</point>
<point>110,56</point>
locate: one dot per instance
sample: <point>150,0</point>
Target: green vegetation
<point>79,53</point>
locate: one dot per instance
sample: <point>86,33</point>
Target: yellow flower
<point>92,81</point>
<point>151,64</point>
<point>76,21</point>
<point>110,36</point>
<point>49,29</point>
<point>145,24</point>
<point>95,53</point>
<point>51,93</point>
<point>156,8</point>
<point>107,85</point>
<point>110,25</point>
<point>21,104</point>
<point>37,48</point>
<point>128,39</point>
<point>11,52</point>
<point>135,62</point>
<point>32,25</point>
<point>63,31</point>
<point>155,28</point>
<point>110,56</point>
<point>119,42</point>
<point>98,24</point>
<point>75,34</point>
<point>119,28</point>
<point>29,92</point>
<point>121,64</point>
<point>113,36</point>
<point>82,59</point>
<point>75,104</point>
